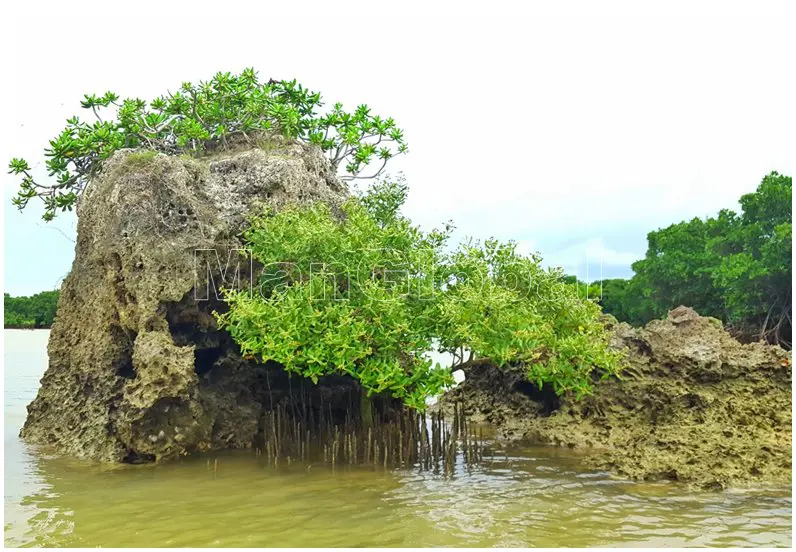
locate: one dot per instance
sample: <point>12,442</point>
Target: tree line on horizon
<point>734,267</point>
<point>36,311</point>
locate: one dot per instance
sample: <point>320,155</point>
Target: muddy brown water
<point>518,496</point>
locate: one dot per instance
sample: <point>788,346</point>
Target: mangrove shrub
<point>364,292</point>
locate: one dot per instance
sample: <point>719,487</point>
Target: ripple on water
<point>519,497</point>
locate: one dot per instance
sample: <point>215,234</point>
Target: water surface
<point>522,496</point>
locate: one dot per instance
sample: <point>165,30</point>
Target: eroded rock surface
<point>138,371</point>
<point>692,404</point>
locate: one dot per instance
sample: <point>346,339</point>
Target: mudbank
<point>138,371</point>
<point>692,405</point>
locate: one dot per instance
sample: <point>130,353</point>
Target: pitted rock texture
<point>138,370</point>
<point>692,404</point>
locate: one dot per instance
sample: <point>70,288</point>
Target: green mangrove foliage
<point>363,292</point>
<point>734,267</point>
<point>627,300</point>
<point>206,116</point>
<point>36,311</point>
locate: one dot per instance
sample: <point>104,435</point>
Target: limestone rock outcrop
<point>138,370</point>
<point>692,404</point>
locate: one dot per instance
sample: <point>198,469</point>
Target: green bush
<point>36,311</point>
<point>206,116</point>
<point>364,293</point>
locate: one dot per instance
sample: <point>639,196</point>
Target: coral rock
<point>138,371</point>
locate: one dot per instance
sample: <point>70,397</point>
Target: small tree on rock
<point>201,117</point>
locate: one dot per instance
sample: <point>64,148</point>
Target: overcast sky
<point>573,135</point>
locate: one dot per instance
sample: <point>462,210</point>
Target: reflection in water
<point>519,497</point>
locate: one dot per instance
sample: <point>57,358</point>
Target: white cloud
<point>589,259</point>
<point>526,247</point>
<point>550,130</point>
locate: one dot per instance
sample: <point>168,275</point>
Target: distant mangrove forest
<point>36,311</point>
<point>734,267</point>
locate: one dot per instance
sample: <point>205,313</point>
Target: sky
<point>572,132</point>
